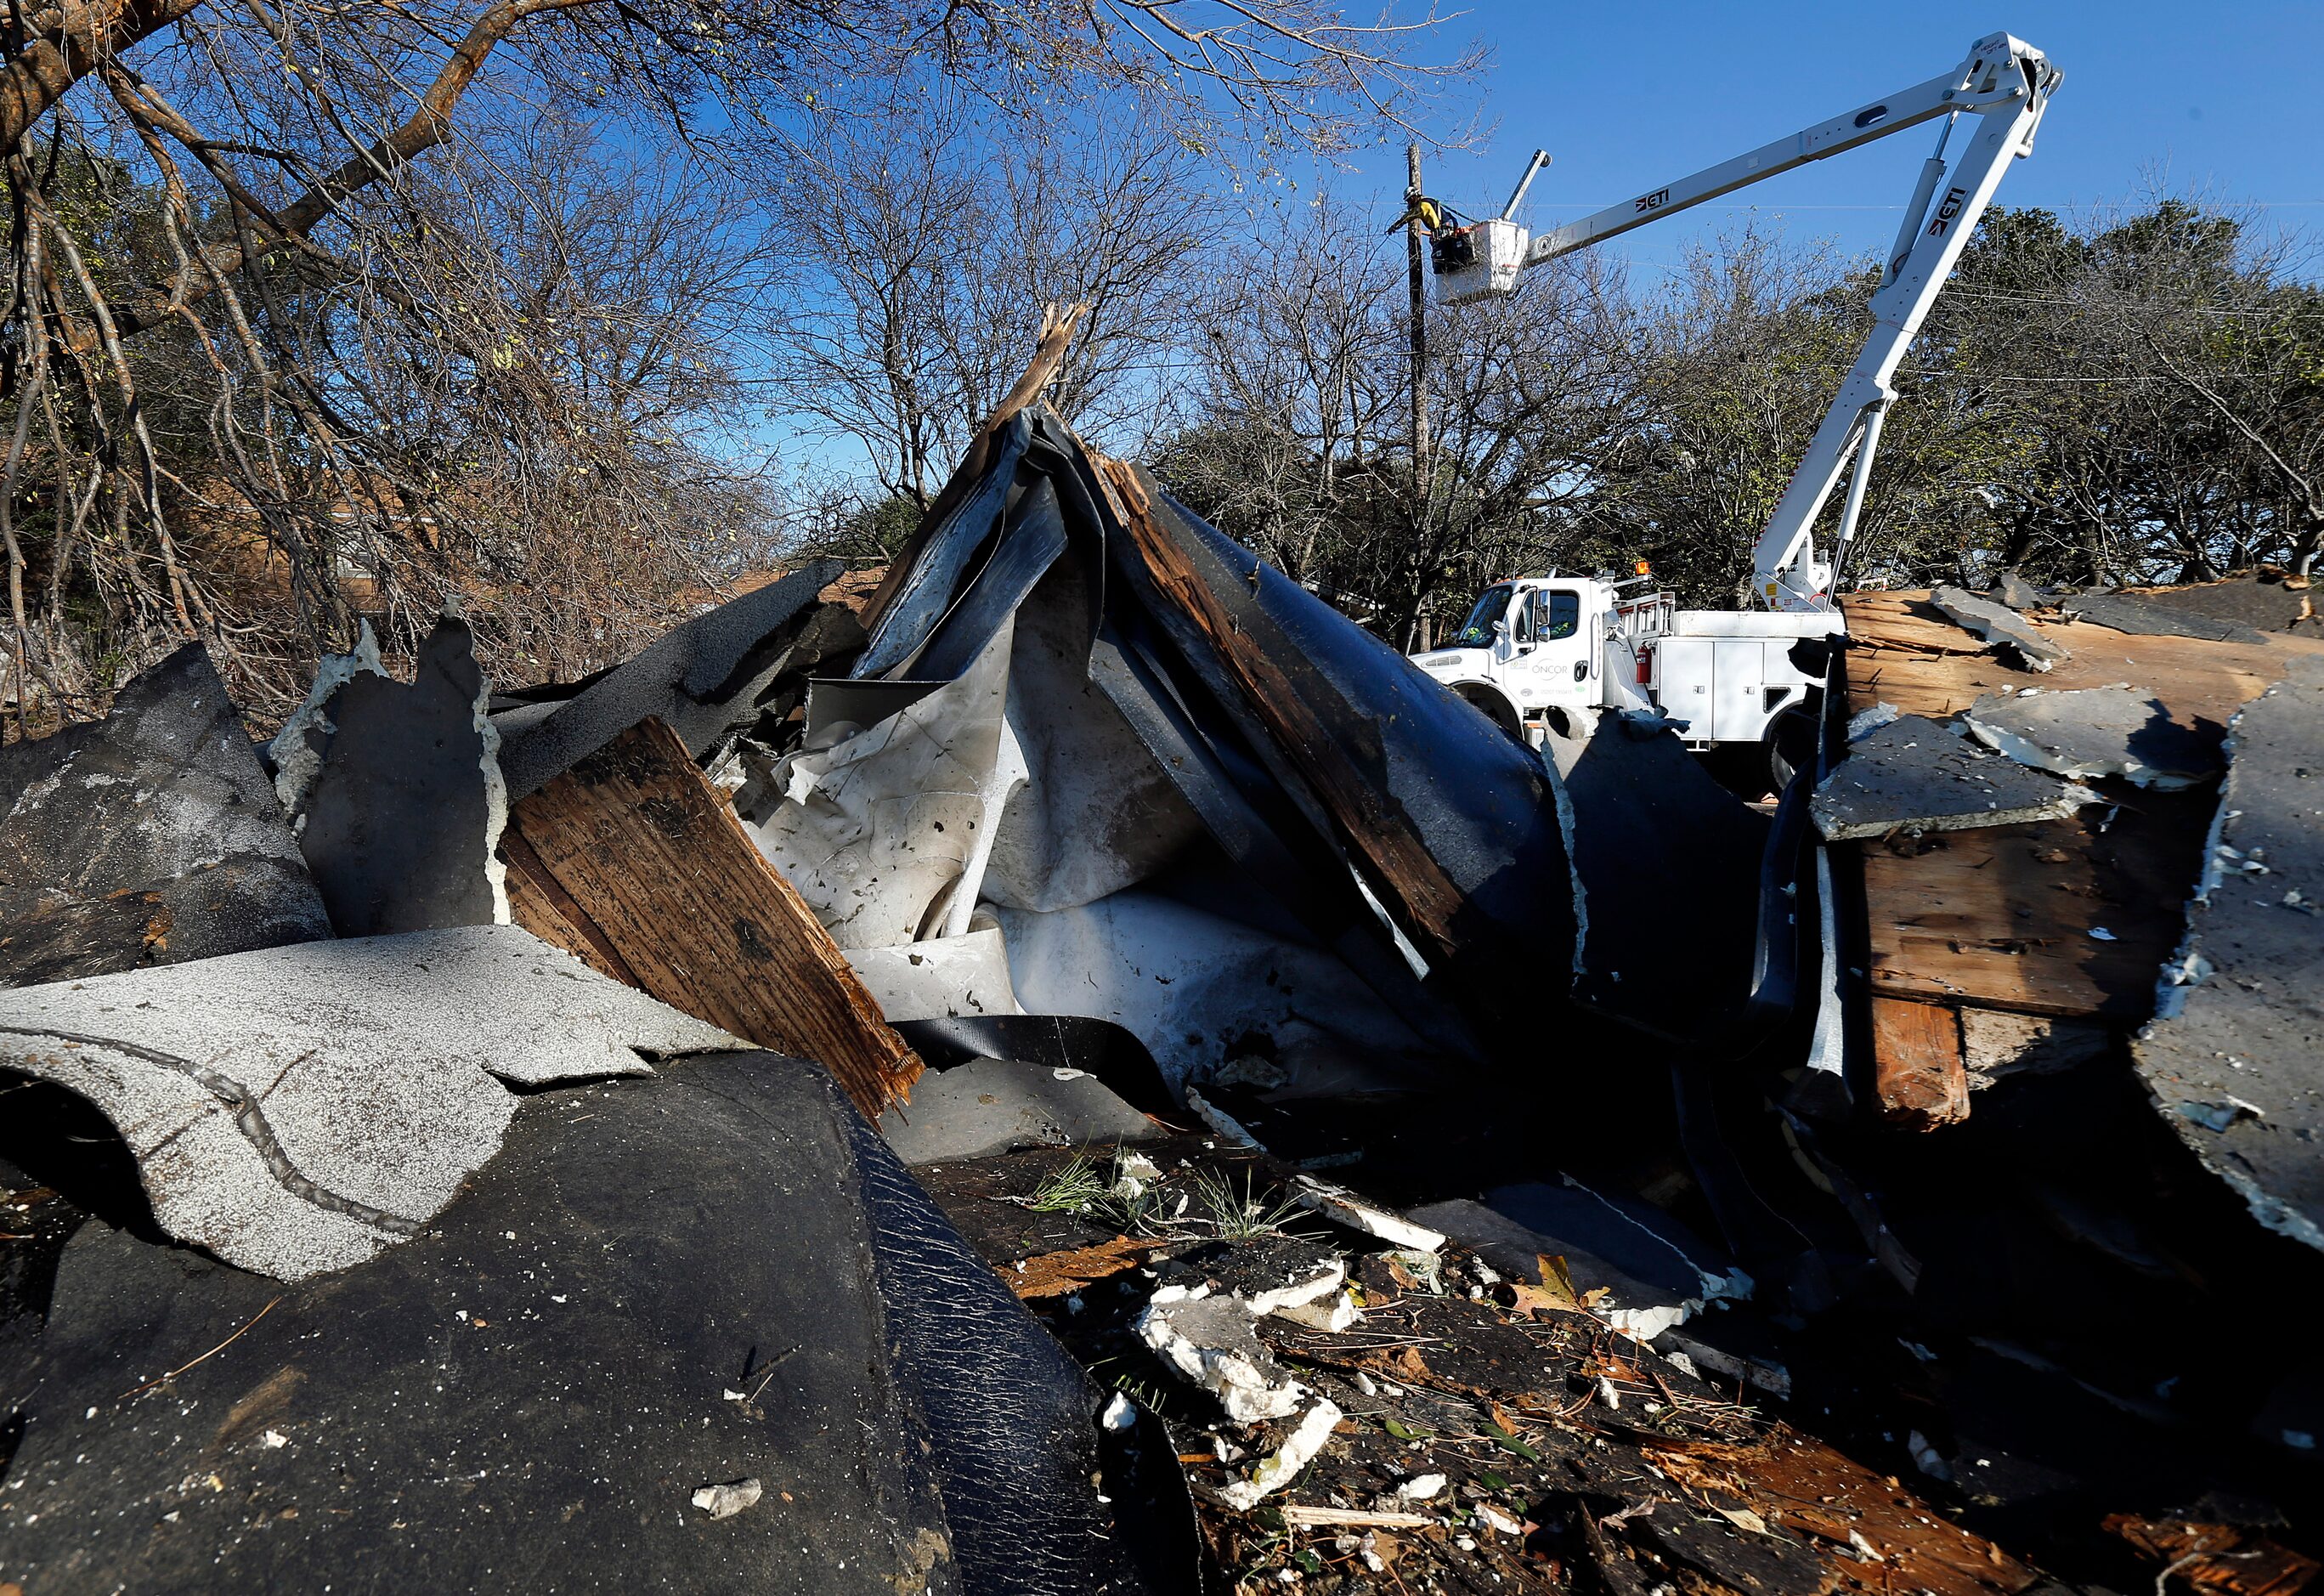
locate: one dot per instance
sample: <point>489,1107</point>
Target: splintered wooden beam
<point>1375,825</point>
<point>633,861</point>
<point>1917,1065</point>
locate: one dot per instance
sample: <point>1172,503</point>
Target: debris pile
<point>1074,1067</point>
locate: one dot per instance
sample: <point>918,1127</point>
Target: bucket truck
<point>1535,649</point>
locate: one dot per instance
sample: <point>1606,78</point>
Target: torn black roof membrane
<point>149,837</point>
<point>531,1392</point>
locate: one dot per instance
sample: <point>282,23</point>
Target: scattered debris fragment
<point>1209,1340</point>
<point>1282,1465</point>
<point>2000,626</point>
<point>2086,733</point>
<point>1340,1204</point>
<point>724,1501</point>
<point>1914,774</point>
<point>2014,591</point>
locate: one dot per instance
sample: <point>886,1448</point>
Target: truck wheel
<point>1496,709</point>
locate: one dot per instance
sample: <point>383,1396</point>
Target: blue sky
<point>2220,99</point>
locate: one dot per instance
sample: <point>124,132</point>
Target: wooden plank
<point>541,905</point>
<point>634,863</point>
<point>1916,1052</point>
<point>2008,917</point>
<point>1903,651</point>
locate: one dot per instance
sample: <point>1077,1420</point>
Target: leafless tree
<point>918,242</point>
<point>272,180</point>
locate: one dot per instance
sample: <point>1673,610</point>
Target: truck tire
<point>1493,707</point>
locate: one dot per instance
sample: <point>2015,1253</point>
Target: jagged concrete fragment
<point>1209,1341</point>
<point>702,681</point>
<point>2142,619</point>
<point>1999,625</point>
<point>296,1109</point>
<point>2084,732</point>
<point>1914,774</point>
<point>149,837</point>
<point>989,1106</point>
<point>2017,594</point>
<point>396,791</point>
<point>2235,1057</point>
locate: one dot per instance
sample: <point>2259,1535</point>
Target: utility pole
<point>1416,272</point>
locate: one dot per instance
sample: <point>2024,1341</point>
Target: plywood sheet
<point>2011,916</point>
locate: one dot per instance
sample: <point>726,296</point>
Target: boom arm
<point>2005,85</point>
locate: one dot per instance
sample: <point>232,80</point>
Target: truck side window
<point>1557,612</point>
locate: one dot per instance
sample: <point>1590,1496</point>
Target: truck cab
<point>1526,648</point>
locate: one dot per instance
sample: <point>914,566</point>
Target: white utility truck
<point>1536,650</point>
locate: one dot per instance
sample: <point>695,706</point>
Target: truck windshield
<point>1477,631</point>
